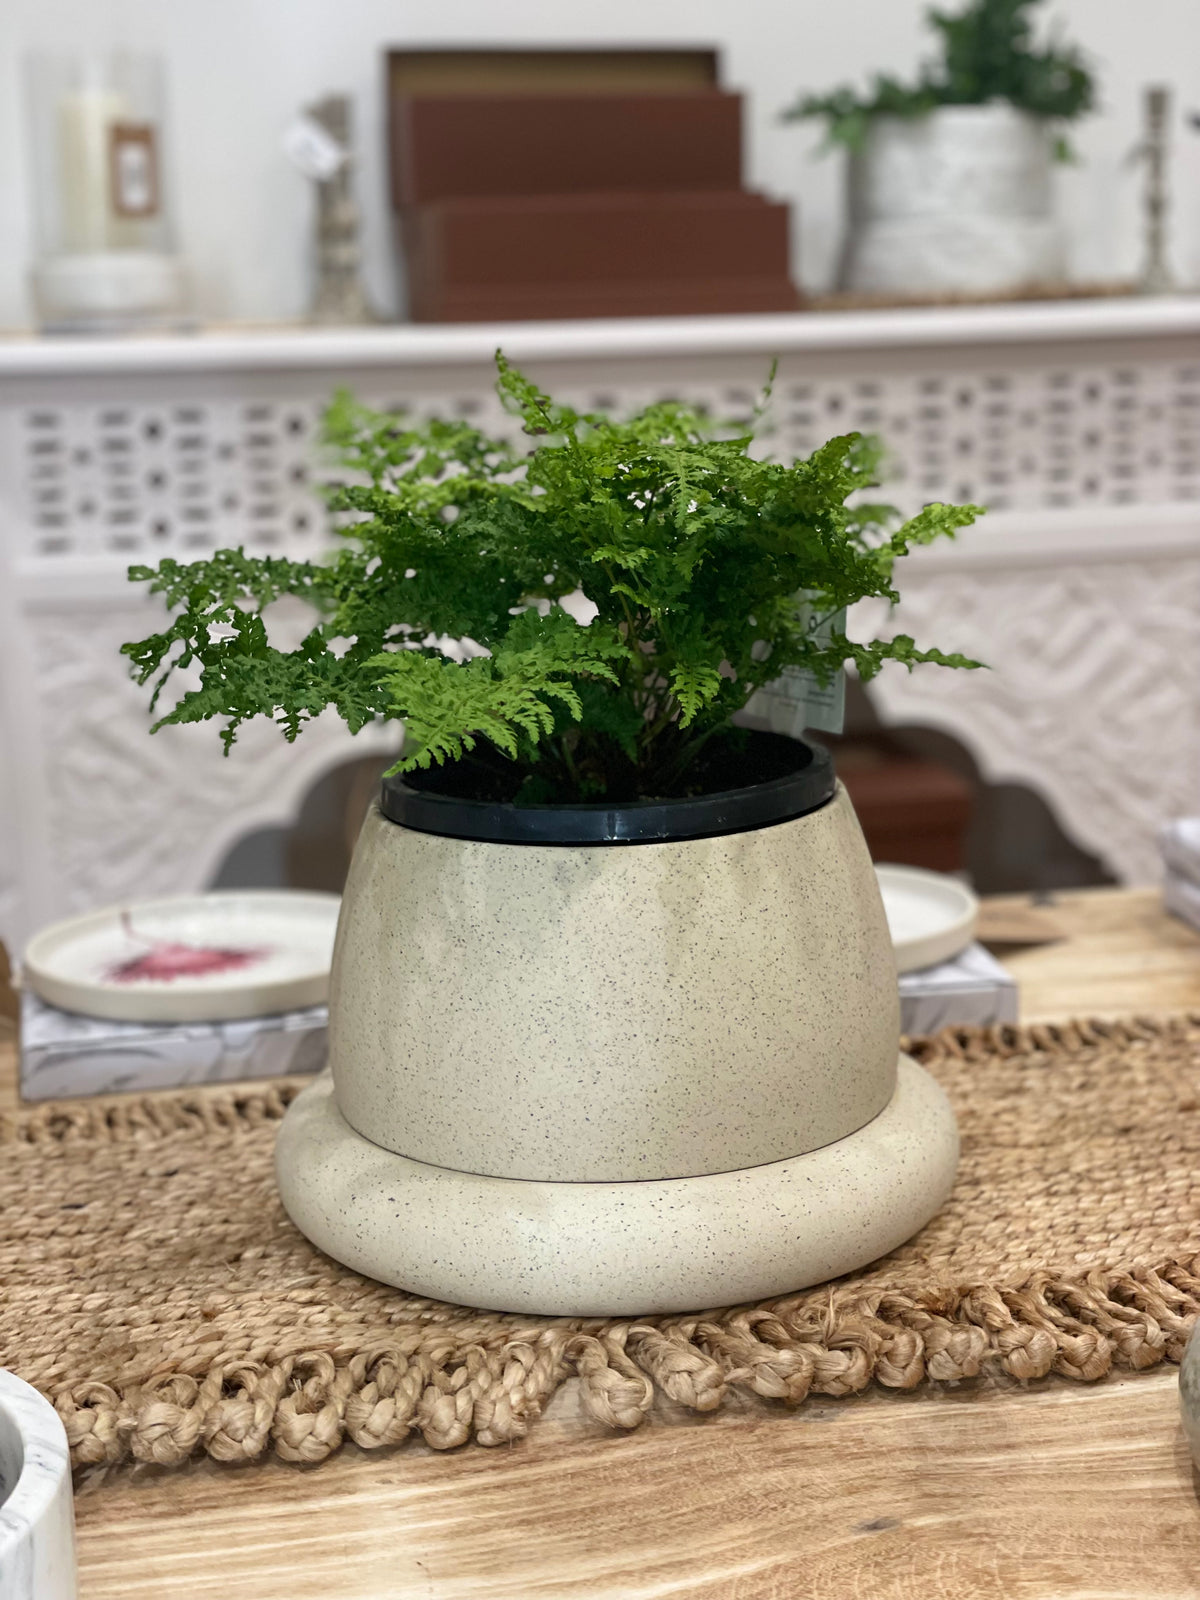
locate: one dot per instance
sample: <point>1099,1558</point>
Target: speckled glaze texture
<point>616,1249</point>
<point>606,1013</point>
<point>37,1518</point>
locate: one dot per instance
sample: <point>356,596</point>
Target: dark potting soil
<point>738,759</point>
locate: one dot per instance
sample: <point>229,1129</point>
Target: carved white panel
<point>129,812</point>
<point>11,893</point>
<point>1090,696</point>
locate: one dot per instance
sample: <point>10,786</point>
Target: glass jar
<point>106,255</point>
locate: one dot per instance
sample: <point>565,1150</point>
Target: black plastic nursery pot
<point>796,778</point>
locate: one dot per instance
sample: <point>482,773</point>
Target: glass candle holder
<point>106,252</point>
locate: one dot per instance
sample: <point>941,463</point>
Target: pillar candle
<point>85,116</point>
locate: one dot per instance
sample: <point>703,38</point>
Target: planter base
<point>617,1249</point>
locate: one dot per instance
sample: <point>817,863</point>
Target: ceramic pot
<point>958,200</point>
<point>599,1060</point>
<point>37,1519</point>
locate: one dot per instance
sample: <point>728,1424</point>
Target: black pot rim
<point>758,805</point>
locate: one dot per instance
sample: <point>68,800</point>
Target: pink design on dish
<point>166,961</point>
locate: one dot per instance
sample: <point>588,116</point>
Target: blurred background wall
<point>240,68</point>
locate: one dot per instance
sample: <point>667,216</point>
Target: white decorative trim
<point>618,338</point>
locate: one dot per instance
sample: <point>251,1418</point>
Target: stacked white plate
<point>216,957</point>
<point>932,917</point>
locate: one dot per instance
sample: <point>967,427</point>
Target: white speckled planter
<point>603,1013</point>
<point>960,199</point>
<point>615,1077</point>
<point>37,1519</point>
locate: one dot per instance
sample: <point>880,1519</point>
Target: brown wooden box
<point>577,183</point>
<point>434,70</point>
<point>448,146</point>
<point>593,255</point>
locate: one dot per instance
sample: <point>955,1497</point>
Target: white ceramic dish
<point>37,1519</point>
<point>932,918</point>
<point>211,957</point>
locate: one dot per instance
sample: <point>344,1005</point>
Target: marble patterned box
<point>64,1054</point>
<point>972,989</point>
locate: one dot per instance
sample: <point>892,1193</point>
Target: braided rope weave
<point>152,1287</point>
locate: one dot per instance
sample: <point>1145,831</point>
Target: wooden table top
<point>1056,1492</point>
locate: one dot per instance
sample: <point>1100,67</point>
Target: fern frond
<point>706,567</point>
<point>444,703</point>
<point>694,687</point>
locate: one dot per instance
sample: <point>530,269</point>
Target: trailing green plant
<point>707,573</point>
<point>988,53</point>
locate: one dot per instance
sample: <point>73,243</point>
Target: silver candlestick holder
<point>320,144</point>
<point>1153,151</point>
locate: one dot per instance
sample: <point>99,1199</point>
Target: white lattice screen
<point>138,480</point>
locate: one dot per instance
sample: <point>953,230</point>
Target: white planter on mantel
<point>959,200</point>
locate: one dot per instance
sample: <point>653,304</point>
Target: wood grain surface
<point>1058,1492</point>
<point>1122,954</point>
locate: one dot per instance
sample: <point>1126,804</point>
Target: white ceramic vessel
<point>37,1518</point>
<point>618,1249</point>
<point>958,200</point>
<point>613,1013</point>
<point>608,1078</point>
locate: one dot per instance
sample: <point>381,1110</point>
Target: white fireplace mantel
<point>287,348</point>
<point>1077,422</point>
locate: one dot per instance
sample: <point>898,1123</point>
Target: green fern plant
<point>708,572</point>
<point>988,53</point>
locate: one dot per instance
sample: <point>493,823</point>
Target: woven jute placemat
<point>152,1287</point>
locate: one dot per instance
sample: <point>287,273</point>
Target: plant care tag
<point>797,700</point>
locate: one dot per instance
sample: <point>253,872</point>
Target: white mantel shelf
<point>262,349</point>
<point>1077,422</point>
